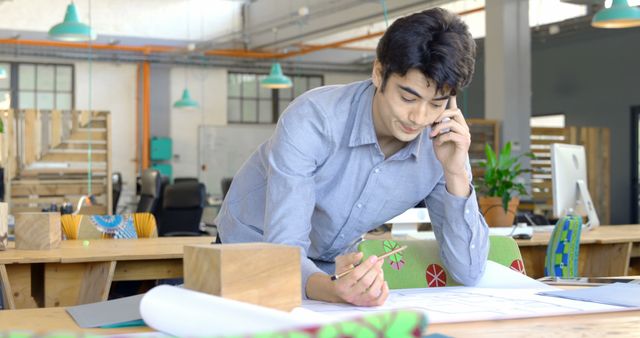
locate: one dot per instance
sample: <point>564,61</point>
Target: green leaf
<point>491,156</point>
<point>505,201</point>
<point>505,155</point>
<point>502,172</point>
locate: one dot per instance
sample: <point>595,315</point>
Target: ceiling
<point>314,34</point>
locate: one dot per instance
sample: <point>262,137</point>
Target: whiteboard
<point>223,149</point>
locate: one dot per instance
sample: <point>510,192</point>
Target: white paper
<point>461,304</point>
<point>499,276</point>
<point>181,312</point>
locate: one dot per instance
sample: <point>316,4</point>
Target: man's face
<point>408,105</point>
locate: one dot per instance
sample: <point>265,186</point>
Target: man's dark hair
<point>435,42</point>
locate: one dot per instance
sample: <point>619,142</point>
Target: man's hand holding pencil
<point>361,282</point>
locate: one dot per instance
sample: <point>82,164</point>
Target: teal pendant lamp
<point>71,29</point>
<point>276,79</point>
<point>619,15</point>
<point>186,101</point>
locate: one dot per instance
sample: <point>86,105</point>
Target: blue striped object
<point>119,226</point>
<point>563,249</point>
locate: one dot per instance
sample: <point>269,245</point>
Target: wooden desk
<point>621,324</point>
<point>77,274</point>
<point>612,250</point>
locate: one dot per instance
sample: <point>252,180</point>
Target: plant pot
<point>494,214</point>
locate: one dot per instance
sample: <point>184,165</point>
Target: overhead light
<point>71,29</point>
<point>186,101</point>
<point>276,78</point>
<point>619,15</point>
<point>3,73</point>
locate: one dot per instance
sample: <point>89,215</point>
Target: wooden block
<point>4,226</point>
<point>258,273</point>
<point>38,230</point>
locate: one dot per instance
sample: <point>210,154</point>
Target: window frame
<point>274,97</point>
<point>15,85</point>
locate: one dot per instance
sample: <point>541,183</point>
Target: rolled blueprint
<point>181,312</point>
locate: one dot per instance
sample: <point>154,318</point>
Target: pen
<point>346,272</point>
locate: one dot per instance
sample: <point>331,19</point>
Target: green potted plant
<point>499,189</point>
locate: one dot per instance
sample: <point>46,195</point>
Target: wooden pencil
<point>382,257</point>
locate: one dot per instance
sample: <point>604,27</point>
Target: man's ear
<point>376,73</point>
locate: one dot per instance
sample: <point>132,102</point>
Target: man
<point>345,159</point>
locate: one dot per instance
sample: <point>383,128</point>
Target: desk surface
<point>72,251</point>
<point>596,325</point>
<point>603,234</point>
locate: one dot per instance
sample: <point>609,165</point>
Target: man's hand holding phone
<point>451,142</point>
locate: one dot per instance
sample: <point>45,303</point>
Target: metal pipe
<point>146,112</point>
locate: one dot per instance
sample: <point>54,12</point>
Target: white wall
<point>208,86</point>
<point>343,78</point>
<point>113,90</point>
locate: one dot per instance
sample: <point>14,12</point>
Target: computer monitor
<point>569,183</point>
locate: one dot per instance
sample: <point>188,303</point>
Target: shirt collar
<point>363,131</point>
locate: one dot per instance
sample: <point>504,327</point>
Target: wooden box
<point>4,226</point>
<point>258,273</point>
<point>38,230</point>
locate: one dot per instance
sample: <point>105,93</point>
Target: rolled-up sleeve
<point>299,145</point>
<point>461,232</point>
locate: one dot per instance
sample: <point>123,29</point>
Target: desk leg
<point>7,294</point>
<point>21,283</point>
<point>68,284</point>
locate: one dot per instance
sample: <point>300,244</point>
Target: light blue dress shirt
<point>321,181</point>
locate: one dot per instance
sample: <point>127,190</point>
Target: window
<point>44,86</point>
<point>5,87</point>
<point>248,102</point>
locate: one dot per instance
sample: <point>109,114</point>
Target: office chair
<point>182,209</point>
<point>563,250</point>
<point>225,184</point>
<point>116,190</point>
<point>184,179</point>
<point>164,183</point>
<point>149,190</point>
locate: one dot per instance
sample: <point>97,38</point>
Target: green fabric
<point>398,323</point>
<point>420,265</point>
<point>563,249</point>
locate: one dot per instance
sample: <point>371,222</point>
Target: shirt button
<point>466,211</point>
<point>359,205</point>
<point>473,246</point>
<point>341,235</point>
<point>376,170</point>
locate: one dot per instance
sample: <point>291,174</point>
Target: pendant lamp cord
<point>384,12</point>
<point>89,154</point>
